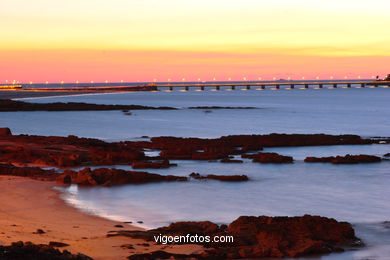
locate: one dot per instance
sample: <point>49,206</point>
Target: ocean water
<point>354,193</point>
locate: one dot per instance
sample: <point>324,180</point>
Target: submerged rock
<point>347,159</point>
<point>220,177</point>
<point>271,158</point>
<point>152,165</point>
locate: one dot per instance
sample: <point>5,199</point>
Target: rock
<point>151,165</point>
<point>387,155</point>
<point>118,226</point>
<point>231,161</point>
<point>5,131</point>
<point>39,231</point>
<point>162,255</point>
<point>103,176</point>
<point>32,172</point>
<point>271,158</point>
<point>348,159</point>
<point>27,250</point>
<point>220,177</point>
<point>57,244</point>
<point>65,152</point>
<point>257,237</point>
<point>7,105</point>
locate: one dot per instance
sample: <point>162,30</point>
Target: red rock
<point>272,158</point>
<point>108,177</point>
<point>231,161</point>
<point>32,172</point>
<point>257,237</point>
<point>151,165</point>
<point>5,131</point>
<point>27,250</point>
<point>220,177</point>
<point>348,159</point>
<point>68,151</point>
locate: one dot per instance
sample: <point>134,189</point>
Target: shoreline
<point>31,205</point>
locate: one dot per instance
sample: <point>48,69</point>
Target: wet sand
<point>27,205</point>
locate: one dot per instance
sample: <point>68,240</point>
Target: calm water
<point>355,193</point>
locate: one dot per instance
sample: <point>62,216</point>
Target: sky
<point>185,40</point>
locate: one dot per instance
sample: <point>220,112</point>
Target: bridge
<point>271,85</point>
<point>197,86</point>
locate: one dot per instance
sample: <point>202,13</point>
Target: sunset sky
<point>84,40</point>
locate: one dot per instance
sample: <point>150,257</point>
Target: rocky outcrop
<point>219,177</point>
<point>68,151</point>
<point>27,250</point>
<point>7,105</point>
<point>347,159</point>
<point>152,165</point>
<point>271,158</point>
<point>256,237</point>
<point>5,131</point>
<point>231,161</point>
<point>223,147</point>
<point>108,177</point>
<point>32,172</point>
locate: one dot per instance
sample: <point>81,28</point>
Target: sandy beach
<point>27,205</point>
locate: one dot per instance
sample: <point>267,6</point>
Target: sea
<point>358,194</point>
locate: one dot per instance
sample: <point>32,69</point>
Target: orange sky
<point>129,40</point>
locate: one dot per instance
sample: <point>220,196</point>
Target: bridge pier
<point>217,87</point>
<point>187,88</point>
<point>248,87</point>
<point>306,86</point>
<point>201,88</point>
<point>363,85</point>
<point>170,88</point>
<point>277,86</point>
<point>233,87</point>
<point>292,86</point>
<point>263,87</point>
<point>334,85</point>
<point>349,85</point>
<point>320,86</point>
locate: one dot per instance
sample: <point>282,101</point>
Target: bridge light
<point>317,77</point>
<point>331,77</point>
<point>121,80</point>
<point>183,79</point>
<point>154,80</point>
<point>259,78</point>
<point>274,78</point>
<point>198,79</point>
<point>47,82</point>
<point>91,81</point>
<point>106,81</point>
<point>30,82</point>
<point>62,82</point>
<point>244,78</point>
<point>359,77</point>
<point>303,78</point>
<point>77,82</point>
<point>229,79</point>
<point>169,80</point>
<point>289,78</point>
<point>345,77</point>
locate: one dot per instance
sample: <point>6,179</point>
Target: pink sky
<point>114,66</point>
<point>46,40</point>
